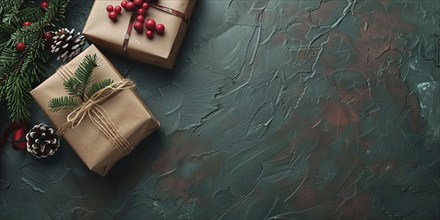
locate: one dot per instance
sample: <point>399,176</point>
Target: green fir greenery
<point>78,86</point>
<point>19,72</point>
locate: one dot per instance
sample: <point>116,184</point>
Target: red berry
<point>145,6</point>
<point>160,29</point>
<point>113,16</point>
<point>118,9</point>
<point>26,24</point>
<point>149,34</point>
<point>44,5</point>
<point>130,6</point>
<point>109,8</point>
<point>150,24</point>
<point>138,2</point>
<point>47,36</point>
<point>124,4</point>
<point>140,18</point>
<point>140,11</point>
<point>138,26</point>
<point>20,47</point>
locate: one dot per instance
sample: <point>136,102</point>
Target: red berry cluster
<point>21,46</point>
<point>141,7</point>
<point>113,12</point>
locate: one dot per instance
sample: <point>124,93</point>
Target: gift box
<point>162,50</point>
<point>123,122</point>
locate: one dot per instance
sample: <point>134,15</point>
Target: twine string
<point>99,116</point>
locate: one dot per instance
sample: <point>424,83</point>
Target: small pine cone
<point>67,44</point>
<point>42,141</point>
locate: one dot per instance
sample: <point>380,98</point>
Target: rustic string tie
<point>98,115</point>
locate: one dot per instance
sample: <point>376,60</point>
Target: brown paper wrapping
<point>126,110</point>
<point>161,51</point>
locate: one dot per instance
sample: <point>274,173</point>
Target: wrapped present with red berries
<point>148,31</point>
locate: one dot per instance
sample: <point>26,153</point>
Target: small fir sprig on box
<point>25,30</point>
<point>80,87</point>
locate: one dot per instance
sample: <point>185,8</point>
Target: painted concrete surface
<point>280,109</point>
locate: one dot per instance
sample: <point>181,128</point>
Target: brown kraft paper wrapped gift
<point>126,111</point>
<point>161,51</point>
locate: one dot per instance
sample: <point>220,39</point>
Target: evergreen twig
<point>64,102</point>
<point>78,86</point>
<point>20,71</point>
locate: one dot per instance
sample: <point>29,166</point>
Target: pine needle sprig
<point>96,87</point>
<point>78,86</point>
<point>63,103</point>
<point>20,71</point>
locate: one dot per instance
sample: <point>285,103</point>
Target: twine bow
<point>97,114</point>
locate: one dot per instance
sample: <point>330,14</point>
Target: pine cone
<point>42,141</point>
<point>67,44</point>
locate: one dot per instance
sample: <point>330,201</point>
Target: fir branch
<point>71,85</point>
<point>63,103</point>
<point>27,67</point>
<point>17,96</point>
<point>84,73</point>
<point>6,7</point>
<point>78,86</point>
<point>96,87</point>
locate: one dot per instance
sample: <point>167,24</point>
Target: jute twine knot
<point>97,114</point>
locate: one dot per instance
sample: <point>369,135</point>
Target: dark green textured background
<point>280,109</point>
